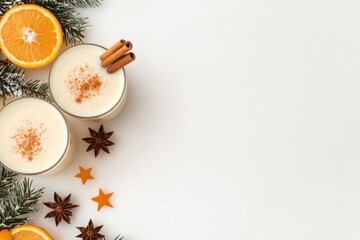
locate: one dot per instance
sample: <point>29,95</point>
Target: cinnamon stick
<point>113,49</point>
<point>121,62</point>
<point>116,55</point>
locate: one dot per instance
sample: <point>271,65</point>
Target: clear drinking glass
<point>36,137</point>
<point>82,88</point>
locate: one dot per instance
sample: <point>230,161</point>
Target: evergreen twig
<point>36,88</point>
<point>11,78</point>
<point>13,83</point>
<point>18,200</point>
<point>84,3</point>
<point>6,180</point>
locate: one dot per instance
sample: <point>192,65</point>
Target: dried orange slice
<point>27,231</point>
<point>5,235</point>
<point>30,36</point>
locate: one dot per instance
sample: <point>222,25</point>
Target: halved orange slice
<point>27,231</point>
<point>30,36</point>
<point>5,235</point>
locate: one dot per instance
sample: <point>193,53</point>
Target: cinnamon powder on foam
<point>28,141</point>
<point>84,83</point>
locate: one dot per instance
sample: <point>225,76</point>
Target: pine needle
<point>84,3</point>
<point>36,88</point>
<point>13,83</point>
<point>17,199</point>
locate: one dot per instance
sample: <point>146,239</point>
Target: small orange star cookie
<point>84,174</point>
<point>102,199</point>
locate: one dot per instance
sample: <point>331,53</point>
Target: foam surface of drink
<point>81,87</point>
<point>34,135</point>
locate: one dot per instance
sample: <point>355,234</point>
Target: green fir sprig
<point>18,199</point>
<point>36,88</point>
<point>6,181</point>
<point>84,3</point>
<point>13,83</point>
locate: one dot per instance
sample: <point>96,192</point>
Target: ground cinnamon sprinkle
<point>84,83</point>
<point>28,141</point>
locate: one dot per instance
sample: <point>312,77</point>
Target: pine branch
<point>84,3</point>
<point>36,88</point>
<point>11,78</point>
<point>20,200</point>
<point>13,83</point>
<point>6,181</point>
<point>6,4</point>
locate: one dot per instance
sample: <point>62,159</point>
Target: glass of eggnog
<point>82,88</point>
<point>35,137</point>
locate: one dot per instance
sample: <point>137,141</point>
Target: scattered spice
<point>90,232</point>
<point>61,209</point>
<point>28,140</point>
<point>84,83</point>
<point>99,140</point>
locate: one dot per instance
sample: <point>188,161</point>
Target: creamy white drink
<point>84,89</point>
<point>35,137</point>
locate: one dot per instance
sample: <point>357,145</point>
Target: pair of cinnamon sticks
<point>117,56</point>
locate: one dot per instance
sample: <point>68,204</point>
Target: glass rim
<point>94,116</point>
<point>61,158</point>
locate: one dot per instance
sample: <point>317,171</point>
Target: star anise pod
<point>61,209</point>
<point>98,140</point>
<point>90,232</point>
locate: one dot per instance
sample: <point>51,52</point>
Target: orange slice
<point>5,235</point>
<point>30,36</point>
<point>26,232</point>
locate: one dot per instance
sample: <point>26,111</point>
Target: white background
<point>242,122</point>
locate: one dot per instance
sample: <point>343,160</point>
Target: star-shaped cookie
<point>84,174</point>
<point>102,199</point>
